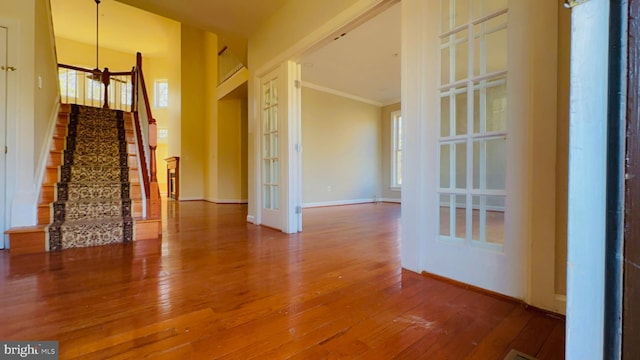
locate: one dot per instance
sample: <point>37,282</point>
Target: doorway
<point>350,93</point>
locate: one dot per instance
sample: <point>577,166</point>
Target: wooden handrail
<point>143,85</point>
<point>153,191</point>
<point>76,68</point>
<point>143,162</point>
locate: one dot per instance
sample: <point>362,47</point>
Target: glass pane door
<point>270,145</point>
<point>473,122</point>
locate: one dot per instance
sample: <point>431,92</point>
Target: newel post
<point>106,79</point>
<point>154,196</point>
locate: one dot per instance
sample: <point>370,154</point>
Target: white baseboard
<point>337,203</point>
<point>182,198</point>
<point>231,201</point>
<point>43,157</point>
<point>390,200</point>
<point>561,304</point>
<point>251,219</point>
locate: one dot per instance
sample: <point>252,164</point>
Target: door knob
<point>8,68</point>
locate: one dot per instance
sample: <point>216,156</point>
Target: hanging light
<point>97,73</point>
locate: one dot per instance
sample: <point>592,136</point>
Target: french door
<point>271,186</point>
<point>473,146</point>
<point>280,157</point>
<point>473,122</point>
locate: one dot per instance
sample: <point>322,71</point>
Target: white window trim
<point>395,115</point>
<point>156,97</point>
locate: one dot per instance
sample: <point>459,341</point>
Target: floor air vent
<point>517,355</point>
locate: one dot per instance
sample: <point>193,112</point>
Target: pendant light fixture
<point>97,73</point>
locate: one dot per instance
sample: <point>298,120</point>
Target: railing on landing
<point>125,91</point>
<point>228,65</point>
<point>105,89</point>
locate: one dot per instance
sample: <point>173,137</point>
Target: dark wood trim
<point>76,68</point>
<point>615,184</point>
<point>143,160</point>
<point>631,297</point>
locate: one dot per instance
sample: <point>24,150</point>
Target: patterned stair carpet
<point>92,204</point>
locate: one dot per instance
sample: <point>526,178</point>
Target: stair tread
<point>25,229</point>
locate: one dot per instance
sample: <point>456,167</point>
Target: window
<point>94,89</point>
<point>161,92</point>
<point>68,88</point>
<point>126,92</point>
<point>396,150</point>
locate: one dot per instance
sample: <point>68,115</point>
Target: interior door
<point>271,174</point>
<point>3,128</point>
<point>472,142</point>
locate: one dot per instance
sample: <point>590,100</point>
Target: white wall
<point>587,180</point>
<point>341,159</point>
<point>21,187</point>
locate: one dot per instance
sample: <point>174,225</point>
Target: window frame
<point>156,93</point>
<point>396,149</point>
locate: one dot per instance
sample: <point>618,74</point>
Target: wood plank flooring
<point>217,287</point>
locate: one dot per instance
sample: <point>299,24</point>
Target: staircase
<point>91,193</point>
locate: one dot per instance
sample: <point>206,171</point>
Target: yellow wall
<point>46,96</point>
<point>193,123</point>
<point>232,171</point>
<point>75,53</point>
<point>562,158</point>
<point>174,68</point>
<point>161,154</point>
<point>385,179</point>
<point>342,148</point>
<point>211,109</point>
<point>294,21</point>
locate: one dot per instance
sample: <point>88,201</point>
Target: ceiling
<point>364,63</point>
<point>145,32</point>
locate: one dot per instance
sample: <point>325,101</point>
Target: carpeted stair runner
<point>92,204</point>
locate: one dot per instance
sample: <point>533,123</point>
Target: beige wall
<point>562,158</point>
<point>385,175</point>
<point>341,149</point>
<point>46,72</point>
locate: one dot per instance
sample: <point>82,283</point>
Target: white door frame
<point>587,180</point>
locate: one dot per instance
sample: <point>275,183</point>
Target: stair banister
<point>145,121</point>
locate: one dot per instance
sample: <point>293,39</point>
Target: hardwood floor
<point>217,287</point>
